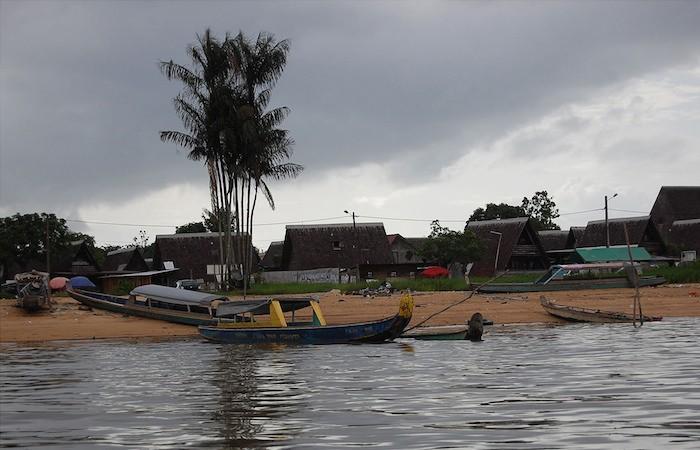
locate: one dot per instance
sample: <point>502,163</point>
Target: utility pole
<point>498,250</point>
<point>607,224</point>
<point>48,262</point>
<point>355,252</point>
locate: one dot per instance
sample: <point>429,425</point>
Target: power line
<point>581,212</point>
<point>629,210</point>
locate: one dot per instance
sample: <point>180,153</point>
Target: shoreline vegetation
<point>69,320</point>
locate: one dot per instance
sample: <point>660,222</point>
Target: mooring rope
<point>474,291</point>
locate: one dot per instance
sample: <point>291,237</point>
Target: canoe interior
<point>437,333</point>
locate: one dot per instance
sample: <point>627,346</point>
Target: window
<point>337,245</point>
<point>369,274</point>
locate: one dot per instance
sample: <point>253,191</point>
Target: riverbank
<point>69,320</point>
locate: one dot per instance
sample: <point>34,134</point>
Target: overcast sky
<point>399,110</point>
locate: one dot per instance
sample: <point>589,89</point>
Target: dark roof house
<point>575,236</point>
<point>197,255</point>
<point>554,239</point>
<point>684,236</point>
<point>406,250</point>
<point>76,260</point>
<point>125,260</point>
<point>641,231</point>
<point>335,245</point>
<point>675,203</point>
<point>520,247</point>
<point>273,256</point>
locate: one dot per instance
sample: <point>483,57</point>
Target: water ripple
<point>583,386</point>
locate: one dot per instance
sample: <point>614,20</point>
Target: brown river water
<point>535,387</point>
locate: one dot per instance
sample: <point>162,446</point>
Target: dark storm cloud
<point>83,100</point>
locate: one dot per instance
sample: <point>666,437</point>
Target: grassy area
<point>420,285</point>
<point>681,274</point>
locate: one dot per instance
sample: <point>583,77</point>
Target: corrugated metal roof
<point>608,254</point>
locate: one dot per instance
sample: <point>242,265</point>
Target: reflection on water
<point>590,386</point>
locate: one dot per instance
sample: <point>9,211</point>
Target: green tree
<point>192,227</point>
<point>542,210</point>
<point>449,246</point>
<point>497,211</point>
<point>23,241</point>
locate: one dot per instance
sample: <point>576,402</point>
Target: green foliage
<point>23,240</point>
<point>494,211</point>
<point>448,246</point>
<point>542,210</point>
<point>689,273</point>
<point>192,227</point>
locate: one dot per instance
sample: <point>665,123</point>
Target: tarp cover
<point>82,283</point>
<point>58,283</point>
<point>177,296</point>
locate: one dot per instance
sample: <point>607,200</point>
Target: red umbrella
<point>435,272</point>
<point>58,283</point>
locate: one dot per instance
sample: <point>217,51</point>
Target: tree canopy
<point>23,241</point>
<point>540,208</point>
<point>449,246</point>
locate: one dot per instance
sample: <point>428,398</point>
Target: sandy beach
<point>68,320</point>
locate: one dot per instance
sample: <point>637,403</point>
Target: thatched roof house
<point>406,250</point>
<point>675,203</point>
<point>196,254</point>
<point>273,256</point>
<point>575,236</point>
<point>554,239</point>
<point>335,245</point>
<point>520,247</point>
<point>76,260</point>
<point>641,231</point>
<point>684,236</point>
<point>127,259</point>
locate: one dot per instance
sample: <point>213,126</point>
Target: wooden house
<point>641,230</point>
<point>197,255</point>
<point>127,259</point>
<point>335,245</point>
<point>406,250</point>
<point>556,244</point>
<point>77,259</point>
<point>272,260</point>
<point>675,203</point>
<point>520,247</point>
<point>684,236</point>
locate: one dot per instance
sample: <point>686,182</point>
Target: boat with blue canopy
<point>278,320</point>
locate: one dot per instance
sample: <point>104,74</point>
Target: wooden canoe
<point>578,314</point>
<point>437,333</point>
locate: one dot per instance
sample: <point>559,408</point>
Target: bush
<point>681,274</point>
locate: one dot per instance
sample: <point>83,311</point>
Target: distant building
<point>641,232</point>
<point>575,236</point>
<point>76,260</point>
<point>684,236</point>
<point>127,259</point>
<point>406,250</point>
<point>520,246</point>
<point>197,255</point>
<point>675,203</point>
<point>556,244</point>
<point>676,215</point>
<point>272,260</point>
<point>335,245</point>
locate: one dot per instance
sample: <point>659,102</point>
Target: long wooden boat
<point>263,321</point>
<point>157,302</point>
<point>578,314</point>
<point>559,278</point>
<point>437,333</point>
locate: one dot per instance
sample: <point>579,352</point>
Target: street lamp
<point>498,249</point>
<point>607,228</point>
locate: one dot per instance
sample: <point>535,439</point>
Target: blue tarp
<point>82,283</point>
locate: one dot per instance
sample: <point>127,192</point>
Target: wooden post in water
<point>637,305</point>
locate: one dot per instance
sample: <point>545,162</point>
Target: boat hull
<point>377,331</point>
<point>119,305</point>
<point>568,285</point>
<point>577,314</point>
<point>439,333</point>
